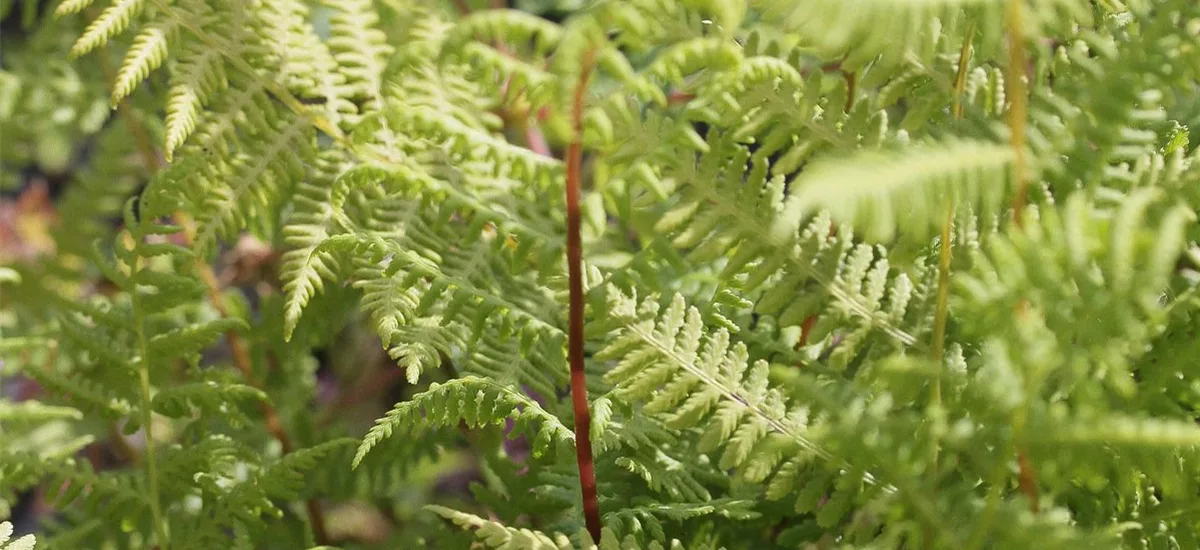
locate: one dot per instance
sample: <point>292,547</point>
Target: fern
<point>475,402</point>
<point>846,190</point>
<point>875,274</point>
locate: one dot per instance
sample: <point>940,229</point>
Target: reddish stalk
<point>1027,480</point>
<point>583,416</point>
<point>1026,475</point>
<point>806,329</point>
<point>677,97</point>
<point>851,86</point>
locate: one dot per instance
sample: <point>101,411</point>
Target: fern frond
<point>1118,431</point>
<point>432,284</point>
<point>35,412</point>
<point>198,76</point>
<point>88,395</point>
<point>69,7</point>
<point>361,51</point>
<point>690,380</point>
<point>391,466</point>
<point>111,22</point>
<point>502,537</point>
<point>185,341</point>
<point>306,265</point>
<point>764,236</point>
<point>917,29</point>
<point>148,53</point>
<point>649,518</point>
<point>476,401</point>
<point>881,193</point>
<point>1122,264</point>
<point>764,365</point>
<point>209,398</point>
<point>286,477</point>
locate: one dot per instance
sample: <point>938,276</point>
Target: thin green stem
<point>1018,110</point>
<point>939,333</point>
<point>160,528</point>
<point>960,78</point>
<point>938,344</point>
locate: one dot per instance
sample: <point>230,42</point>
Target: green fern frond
<point>690,380</point>
<point>919,29</point>
<point>432,284</point>
<point>114,496</point>
<point>255,181</point>
<point>69,7</point>
<point>496,535</point>
<point>508,26</point>
<point>774,255</point>
<point>502,537</point>
<point>209,398</point>
<point>199,75</point>
<point>35,412</point>
<point>881,193</point>
<point>361,51</point>
<point>185,341</point>
<point>147,54</point>
<point>1119,261</point>
<point>649,517</point>
<point>1123,432</point>
<point>763,371</point>
<point>111,22</point>
<point>286,477</point>
<point>86,394</point>
<point>476,401</point>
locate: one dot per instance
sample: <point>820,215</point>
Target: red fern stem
<point>583,415</point>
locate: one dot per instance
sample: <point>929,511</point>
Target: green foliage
<point>875,274</point>
<point>475,402</point>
